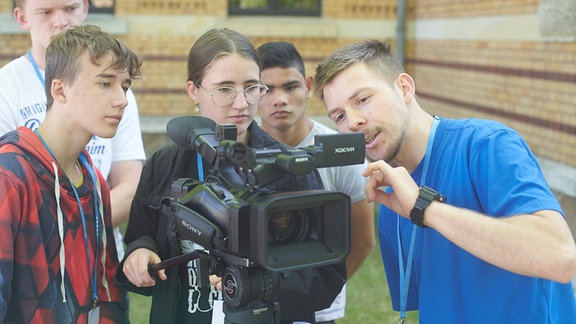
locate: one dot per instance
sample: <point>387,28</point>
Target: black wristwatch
<point>426,196</point>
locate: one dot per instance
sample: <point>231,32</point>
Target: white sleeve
<point>347,179</point>
<point>127,143</point>
<point>22,96</point>
<point>8,104</point>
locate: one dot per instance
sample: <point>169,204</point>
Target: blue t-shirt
<point>487,167</point>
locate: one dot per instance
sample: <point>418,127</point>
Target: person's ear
<point>21,18</point>
<point>86,7</point>
<point>192,90</point>
<point>309,86</point>
<point>407,87</point>
<point>57,91</point>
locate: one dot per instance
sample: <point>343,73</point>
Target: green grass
<point>367,298</point>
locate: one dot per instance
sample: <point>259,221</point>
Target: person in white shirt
<point>283,116</point>
<point>23,102</point>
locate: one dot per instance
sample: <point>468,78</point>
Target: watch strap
<point>425,197</point>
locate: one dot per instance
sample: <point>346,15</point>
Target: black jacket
<point>301,293</point>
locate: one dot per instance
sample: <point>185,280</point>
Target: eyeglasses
<point>225,96</point>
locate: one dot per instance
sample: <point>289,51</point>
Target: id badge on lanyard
<point>94,315</point>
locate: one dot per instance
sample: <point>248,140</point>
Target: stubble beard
<point>390,154</point>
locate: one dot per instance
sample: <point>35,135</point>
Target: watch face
<point>428,194</point>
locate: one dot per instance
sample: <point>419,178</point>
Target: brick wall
<point>162,32</point>
<point>6,6</point>
<point>367,9</point>
<point>13,46</point>
<point>523,80</point>
<point>171,7</point>
<point>422,9</point>
<point>525,85</point>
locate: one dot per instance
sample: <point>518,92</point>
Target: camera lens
<point>286,227</point>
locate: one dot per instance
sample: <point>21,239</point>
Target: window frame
<point>274,10</point>
<point>101,10</point>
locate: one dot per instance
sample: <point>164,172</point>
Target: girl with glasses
<point>224,85</point>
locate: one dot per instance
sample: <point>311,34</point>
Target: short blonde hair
<point>375,54</point>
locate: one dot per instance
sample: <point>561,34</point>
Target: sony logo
<point>344,149</point>
<point>192,228</point>
<point>301,159</point>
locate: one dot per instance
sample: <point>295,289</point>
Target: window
<point>102,6</point>
<point>275,7</point>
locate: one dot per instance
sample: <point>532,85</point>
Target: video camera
<point>242,214</point>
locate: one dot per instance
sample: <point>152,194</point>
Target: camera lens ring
<point>287,226</point>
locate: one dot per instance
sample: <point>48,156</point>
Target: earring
<point>196,108</point>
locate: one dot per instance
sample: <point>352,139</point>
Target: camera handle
<point>257,310</point>
<point>154,268</point>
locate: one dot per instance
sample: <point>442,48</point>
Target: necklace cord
<point>405,274</point>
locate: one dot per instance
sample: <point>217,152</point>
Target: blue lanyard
<point>200,167</point>
<point>38,73</point>
<point>85,163</point>
<point>96,223</point>
<point>405,274</point>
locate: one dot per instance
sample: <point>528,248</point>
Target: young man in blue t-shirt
<point>469,230</point>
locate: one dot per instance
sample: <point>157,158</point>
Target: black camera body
<point>280,231</point>
<point>237,216</point>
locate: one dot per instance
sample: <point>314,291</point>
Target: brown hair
<point>64,50</point>
<point>214,44</point>
<point>375,54</point>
